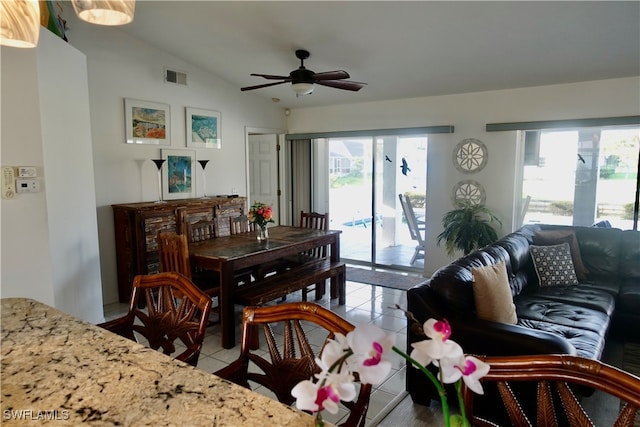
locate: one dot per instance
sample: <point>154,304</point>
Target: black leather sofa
<point>560,319</point>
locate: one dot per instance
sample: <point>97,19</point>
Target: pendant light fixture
<point>20,23</point>
<point>105,12</point>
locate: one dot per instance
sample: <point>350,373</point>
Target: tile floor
<point>364,304</point>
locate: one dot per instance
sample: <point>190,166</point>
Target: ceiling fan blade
<point>340,84</point>
<point>271,77</point>
<point>331,75</point>
<point>261,86</point>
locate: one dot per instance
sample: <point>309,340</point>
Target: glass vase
<point>263,233</point>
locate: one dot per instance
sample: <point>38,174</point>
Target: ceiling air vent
<point>177,77</point>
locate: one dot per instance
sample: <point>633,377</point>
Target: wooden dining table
<point>228,254</point>
<point>59,370</point>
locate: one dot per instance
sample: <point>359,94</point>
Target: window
<point>581,176</point>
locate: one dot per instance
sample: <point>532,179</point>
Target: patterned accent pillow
<point>554,265</point>
<point>556,237</point>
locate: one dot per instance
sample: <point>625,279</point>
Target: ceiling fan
<point>302,80</point>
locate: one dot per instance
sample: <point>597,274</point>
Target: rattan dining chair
<point>287,363</point>
<point>165,308</point>
<point>544,390</point>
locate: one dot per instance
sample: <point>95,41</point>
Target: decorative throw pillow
<point>556,237</point>
<point>492,294</point>
<point>554,265</point>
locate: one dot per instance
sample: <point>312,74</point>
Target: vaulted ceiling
<point>401,49</point>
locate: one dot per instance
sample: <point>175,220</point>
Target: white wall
<point>50,239</point>
<point>26,263</point>
<point>469,113</point>
<point>123,67</point>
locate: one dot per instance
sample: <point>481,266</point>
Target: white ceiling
<point>401,49</point>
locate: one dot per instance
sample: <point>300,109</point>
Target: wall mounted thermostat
<point>27,171</point>
<point>27,185</point>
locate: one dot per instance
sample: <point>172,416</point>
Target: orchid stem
<point>463,412</point>
<point>434,380</point>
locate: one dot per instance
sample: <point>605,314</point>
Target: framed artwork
<point>147,122</point>
<point>177,182</point>
<point>203,128</point>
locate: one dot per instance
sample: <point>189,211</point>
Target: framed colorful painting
<point>203,128</point>
<point>147,122</point>
<point>178,171</point>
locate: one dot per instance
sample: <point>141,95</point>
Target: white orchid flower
<point>327,393</point>
<point>469,368</point>
<point>439,346</point>
<point>371,348</point>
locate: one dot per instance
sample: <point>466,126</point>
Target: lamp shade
<point>302,88</point>
<point>19,23</point>
<point>105,12</point>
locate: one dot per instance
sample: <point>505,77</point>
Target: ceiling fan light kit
<point>302,88</point>
<point>303,80</point>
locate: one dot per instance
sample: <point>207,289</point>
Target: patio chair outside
<point>416,228</point>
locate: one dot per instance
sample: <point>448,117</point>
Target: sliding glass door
<point>351,196</point>
<point>366,175</point>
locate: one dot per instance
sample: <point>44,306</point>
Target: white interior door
<point>263,171</point>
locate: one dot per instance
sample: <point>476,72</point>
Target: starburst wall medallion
<point>470,155</point>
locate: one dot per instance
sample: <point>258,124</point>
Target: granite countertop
<point>58,369</point>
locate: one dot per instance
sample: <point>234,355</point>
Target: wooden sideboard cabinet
<point>137,226</point>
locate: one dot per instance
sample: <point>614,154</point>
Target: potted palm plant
<point>467,228</point>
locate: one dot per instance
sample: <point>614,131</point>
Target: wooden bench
<point>298,277</point>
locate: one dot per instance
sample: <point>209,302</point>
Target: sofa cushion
<point>517,246</point>
<point>580,295</point>
<point>629,300</point>
<point>534,307</point>
<point>554,265</point>
<point>587,343</point>
<point>453,283</point>
<point>630,255</point>
<point>601,250</point>
<point>556,237</point>
<point>608,283</point>
<point>492,294</point>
